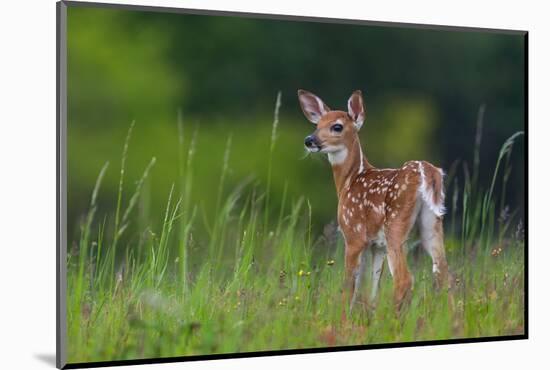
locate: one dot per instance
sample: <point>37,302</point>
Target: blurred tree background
<point>422,89</point>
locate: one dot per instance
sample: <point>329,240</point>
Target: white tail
<point>431,188</point>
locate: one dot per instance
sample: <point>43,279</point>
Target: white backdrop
<point>27,181</point>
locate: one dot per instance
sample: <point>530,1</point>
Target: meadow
<point>257,280</point>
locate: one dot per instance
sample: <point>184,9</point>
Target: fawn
<point>377,208</point>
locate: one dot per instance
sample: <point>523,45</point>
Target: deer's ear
<point>312,106</point>
<point>356,110</point>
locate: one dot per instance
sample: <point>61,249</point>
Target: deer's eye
<point>337,127</point>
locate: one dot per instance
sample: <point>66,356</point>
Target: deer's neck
<point>347,163</point>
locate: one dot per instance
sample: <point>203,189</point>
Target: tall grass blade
<point>116,233</point>
<point>273,139</point>
<point>137,192</point>
<point>477,144</point>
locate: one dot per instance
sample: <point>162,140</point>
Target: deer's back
<point>377,196</point>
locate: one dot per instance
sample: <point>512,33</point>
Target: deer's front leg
<point>397,261</point>
<point>353,273</point>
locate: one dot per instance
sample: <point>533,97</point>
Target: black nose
<point>309,141</point>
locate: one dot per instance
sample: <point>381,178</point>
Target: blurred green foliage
<point>422,90</point>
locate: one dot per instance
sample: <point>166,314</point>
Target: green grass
<point>257,280</point>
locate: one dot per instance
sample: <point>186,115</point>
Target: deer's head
<point>335,130</point>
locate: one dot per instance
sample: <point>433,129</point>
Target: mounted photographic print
<point>235,184</point>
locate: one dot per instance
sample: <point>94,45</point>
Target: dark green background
<point>422,90</point>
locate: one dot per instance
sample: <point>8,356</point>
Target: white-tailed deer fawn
<point>377,207</point>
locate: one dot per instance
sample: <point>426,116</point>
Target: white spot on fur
<point>378,209</point>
